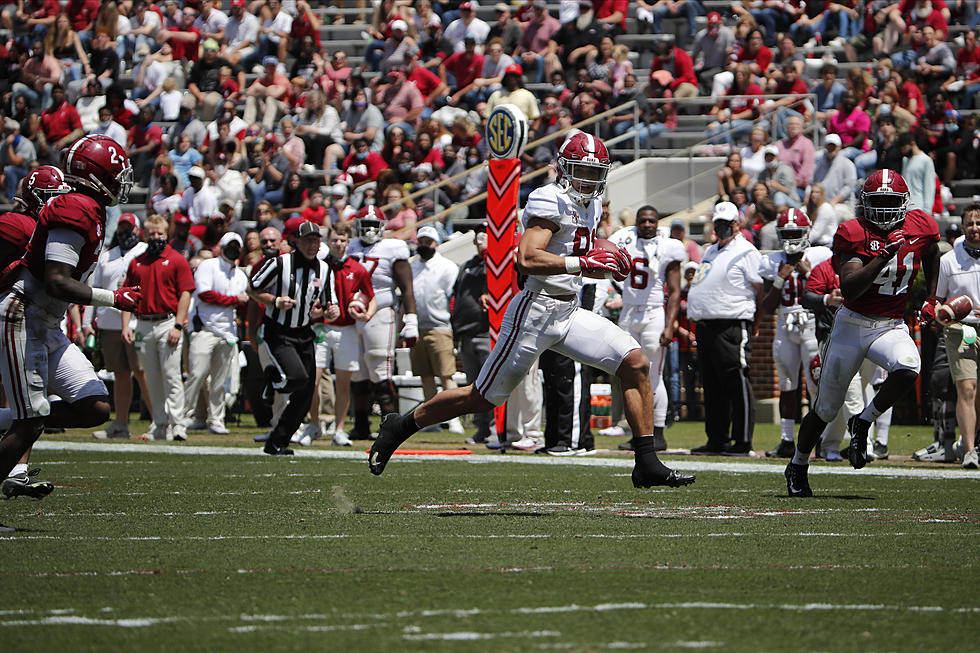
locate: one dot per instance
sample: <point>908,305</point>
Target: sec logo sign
<point>506,132</point>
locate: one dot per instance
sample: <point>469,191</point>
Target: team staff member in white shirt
<point>213,349</point>
<point>959,274</point>
<point>722,301</point>
<point>433,280</point>
<point>119,357</point>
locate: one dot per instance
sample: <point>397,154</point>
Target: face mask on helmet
<point>794,240</point>
<point>583,181</point>
<point>370,230</point>
<point>885,210</point>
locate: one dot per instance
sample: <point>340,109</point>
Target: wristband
<point>778,282</point>
<point>102,297</point>
<point>826,298</point>
<point>573,265</point>
<point>179,327</point>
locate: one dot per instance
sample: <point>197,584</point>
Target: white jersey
<point>576,232</point>
<point>379,260</point>
<point>793,289</point>
<point>651,256</point>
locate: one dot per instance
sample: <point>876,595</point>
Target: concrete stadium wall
<point>660,181</point>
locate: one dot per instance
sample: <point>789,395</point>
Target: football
<point>358,300</point>
<point>954,310</point>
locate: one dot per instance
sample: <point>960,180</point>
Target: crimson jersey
<point>888,294</point>
<point>15,233</point>
<point>823,278</point>
<point>349,278</point>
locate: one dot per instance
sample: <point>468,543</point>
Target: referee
<point>294,288</point>
<point>722,300</point>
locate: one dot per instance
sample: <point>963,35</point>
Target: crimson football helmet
<point>39,186</point>
<point>99,164</point>
<point>884,199</point>
<point>583,163</point>
<point>369,224</point>
<point>793,230</point>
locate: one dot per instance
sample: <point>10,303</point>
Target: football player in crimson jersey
<point>555,251</point>
<point>876,256</point>
<point>657,262</point>
<point>36,358</point>
<point>40,185</point>
<point>784,275</point>
<point>386,260</point>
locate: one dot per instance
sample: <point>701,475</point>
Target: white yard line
<point>877,469</point>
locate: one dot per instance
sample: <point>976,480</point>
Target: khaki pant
<point>163,377</point>
<point>271,108</point>
<point>211,101</point>
<point>209,356</point>
<point>686,90</point>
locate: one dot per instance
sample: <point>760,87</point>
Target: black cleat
<point>741,449</point>
<point>273,450</point>
<point>26,485</point>
<point>797,483</point>
<point>709,449</point>
<point>785,449</point>
<point>386,443</point>
<point>857,452</point>
<point>674,478</point>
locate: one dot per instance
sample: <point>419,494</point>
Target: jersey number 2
<point>893,278</point>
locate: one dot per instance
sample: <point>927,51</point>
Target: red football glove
<point>599,260</point>
<point>624,264</point>
<point>126,298</point>
<point>892,244</point>
<point>928,312</point>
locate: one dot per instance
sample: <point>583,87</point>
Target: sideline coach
<point>294,288</point>
<point>722,300</point>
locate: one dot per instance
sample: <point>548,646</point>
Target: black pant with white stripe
<point>729,406</point>
<point>567,401</point>
<point>293,373</point>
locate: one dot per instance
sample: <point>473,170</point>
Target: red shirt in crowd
<point>682,70</point>
<point>42,8</point>
<point>138,137</point>
<point>739,104</point>
<point>606,8</point>
<point>81,13</point>
<point>162,280</point>
<point>425,80</point>
<point>185,49</point>
<point>464,68</point>
<point>762,58</point>
<point>60,121</point>
<point>366,169</point>
<point>315,215</point>
<point>797,87</point>
<point>968,63</point>
<point>348,279</point>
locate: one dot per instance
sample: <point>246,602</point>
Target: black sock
<point>645,453</point>
<point>658,431</point>
<point>361,424</point>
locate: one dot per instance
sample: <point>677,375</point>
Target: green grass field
<point>181,547</point>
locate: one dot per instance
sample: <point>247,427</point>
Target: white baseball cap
<point>196,171</point>
<point>833,139</point>
<point>429,232</point>
<point>725,211</point>
<point>230,237</point>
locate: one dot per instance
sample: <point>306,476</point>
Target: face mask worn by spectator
<point>425,252</point>
<point>127,239</point>
<point>231,252</point>
<point>154,246</point>
<point>723,229</point>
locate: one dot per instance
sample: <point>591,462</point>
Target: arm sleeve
<point>212,297</point>
<point>64,246</point>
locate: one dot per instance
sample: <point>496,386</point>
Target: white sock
<point>882,426</point>
<point>870,412</point>
<point>19,468</point>
<point>6,418</point>
<point>800,458</point>
<point>786,428</point>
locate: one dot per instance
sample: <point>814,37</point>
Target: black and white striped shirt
<point>290,275</point>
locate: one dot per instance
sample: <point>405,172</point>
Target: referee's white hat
<point>725,211</point>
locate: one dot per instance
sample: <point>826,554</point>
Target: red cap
<point>714,18</point>
<point>129,219</point>
<point>514,68</point>
<point>180,218</point>
<point>237,3</point>
<point>465,5</point>
<point>292,226</point>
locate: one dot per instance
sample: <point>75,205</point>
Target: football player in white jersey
<point>386,260</point>
<point>657,262</point>
<point>784,275</point>
<point>556,249</point>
